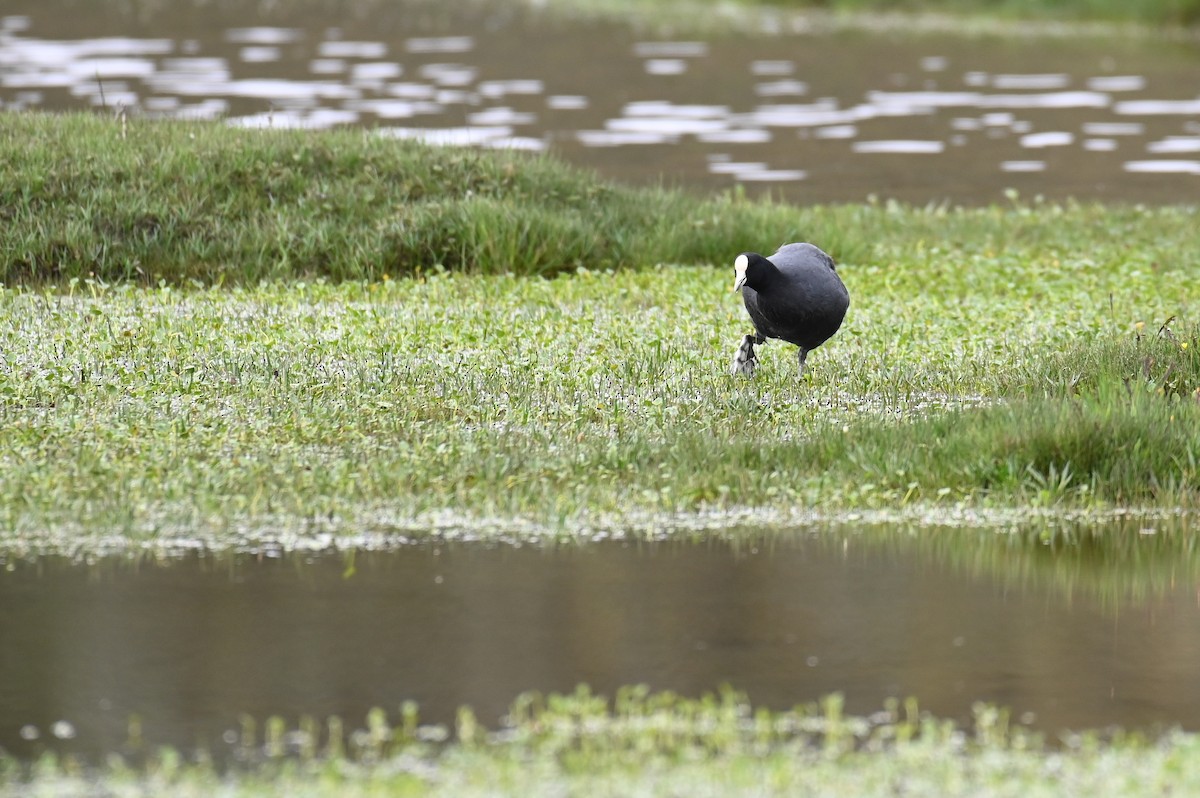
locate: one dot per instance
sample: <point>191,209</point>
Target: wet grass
<point>641,743</point>
<point>214,332</point>
<point>591,398</point>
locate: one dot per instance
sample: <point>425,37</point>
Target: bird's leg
<point>802,356</point>
<point>744,359</point>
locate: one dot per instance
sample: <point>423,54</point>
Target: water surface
<point>807,116</point>
<point>1082,636</point>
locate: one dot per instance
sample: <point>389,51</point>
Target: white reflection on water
<point>498,137</point>
<point>1050,138</point>
<point>741,136</point>
<point>375,72</point>
<point>903,146</point>
<point>1023,166</point>
<point>327,66</point>
<point>259,54</point>
<point>501,115</point>
<point>566,102</point>
<point>1114,128</point>
<point>262,35</point>
<point>449,74</point>
<point>781,88</point>
<point>1117,83</point>
<point>1155,107</point>
<point>392,109</point>
<point>1031,82</point>
<point>665,66</point>
<point>1164,167</point>
<point>1173,144</point>
<point>440,44</point>
<point>610,138</point>
<point>665,125</point>
<point>501,88</point>
<point>315,119</point>
<point>337,49</point>
<point>670,49</point>
<point>836,132</point>
<point>771,175</point>
<point>724,167</point>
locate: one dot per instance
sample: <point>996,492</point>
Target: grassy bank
<point>594,394</point>
<point>656,744</point>
<point>392,372</point>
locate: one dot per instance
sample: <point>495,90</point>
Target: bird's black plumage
<point>794,295</point>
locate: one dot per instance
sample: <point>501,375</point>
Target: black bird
<point>794,295</point>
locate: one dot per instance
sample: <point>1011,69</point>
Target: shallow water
<point>1083,635</point>
<point>807,116</point>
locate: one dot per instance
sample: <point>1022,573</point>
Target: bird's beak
<point>739,271</point>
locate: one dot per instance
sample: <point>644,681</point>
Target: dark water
<point>807,116</point>
<point>1071,638</point>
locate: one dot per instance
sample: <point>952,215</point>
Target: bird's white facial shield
<point>739,271</point>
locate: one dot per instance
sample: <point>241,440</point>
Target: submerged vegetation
<point>645,743</point>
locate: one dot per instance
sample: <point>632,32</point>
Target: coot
<point>794,295</point>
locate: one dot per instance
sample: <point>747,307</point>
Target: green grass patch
<point>642,743</point>
<point>993,359</point>
<point>86,197</point>
<point>563,403</point>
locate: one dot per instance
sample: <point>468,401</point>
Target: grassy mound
<point>84,196</point>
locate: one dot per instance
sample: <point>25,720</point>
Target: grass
<point>84,197</point>
<point>590,398</point>
<point>174,363</point>
<point>652,744</point>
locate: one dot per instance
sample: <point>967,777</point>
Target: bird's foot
<point>744,360</point>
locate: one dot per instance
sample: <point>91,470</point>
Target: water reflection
<point>1078,630</point>
<point>828,117</point>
